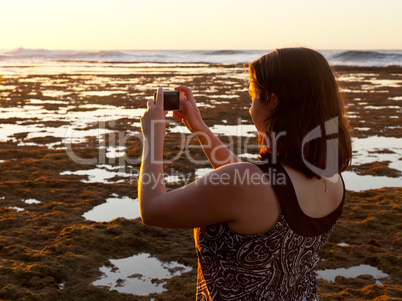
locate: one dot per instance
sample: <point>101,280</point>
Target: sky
<point>206,24</point>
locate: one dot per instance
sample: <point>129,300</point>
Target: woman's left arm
<point>151,180</point>
<point>214,198</point>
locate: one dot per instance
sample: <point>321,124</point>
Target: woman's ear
<point>274,101</point>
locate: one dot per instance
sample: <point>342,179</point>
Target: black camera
<point>171,100</point>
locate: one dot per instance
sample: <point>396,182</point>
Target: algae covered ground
<point>70,140</point>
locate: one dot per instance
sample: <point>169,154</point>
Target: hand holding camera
<point>189,112</point>
<point>181,102</point>
<point>171,100</point>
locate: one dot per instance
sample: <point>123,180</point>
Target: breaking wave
<point>380,58</point>
<point>368,58</point>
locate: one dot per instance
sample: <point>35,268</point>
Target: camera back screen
<point>171,100</point>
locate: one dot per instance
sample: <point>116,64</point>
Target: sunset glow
<point>178,24</point>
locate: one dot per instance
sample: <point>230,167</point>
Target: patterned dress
<point>276,265</point>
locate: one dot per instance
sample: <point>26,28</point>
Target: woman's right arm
<point>217,153</point>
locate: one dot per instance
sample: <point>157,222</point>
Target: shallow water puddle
<point>352,272</point>
<point>200,172</point>
<point>223,129</point>
<point>31,201</point>
<point>371,81</point>
<point>139,274</point>
<point>395,83</point>
<point>77,119</point>
<point>101,174</point>
<point>370,149</point>
<point>18,209</point>
<point>27,201</point>
<point>101,93</point>
<point>381,107</point>
<point>355,182</point>
<point>235,130</point>
<point>115,152</point>
<point>113,208</point>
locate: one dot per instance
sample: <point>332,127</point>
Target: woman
<point>259,239</point>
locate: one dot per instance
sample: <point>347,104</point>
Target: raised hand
<point>189,112</point>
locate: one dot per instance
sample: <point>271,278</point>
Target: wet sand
<point>49,251</point>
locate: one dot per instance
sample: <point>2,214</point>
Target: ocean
<point>377,58</point>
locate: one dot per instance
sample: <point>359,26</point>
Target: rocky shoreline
<point>49,251</point>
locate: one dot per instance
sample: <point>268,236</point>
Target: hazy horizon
<point>182,25</point>
<point>195,49</point>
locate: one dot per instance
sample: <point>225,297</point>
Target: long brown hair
<point>310,112</point>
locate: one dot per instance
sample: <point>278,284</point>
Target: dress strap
<point>298,221</point>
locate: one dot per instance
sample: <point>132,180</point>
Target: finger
<point>188,95</point>
<point>188,105</point>
<point>182,109</point>
<point>175,117</point>
<point>159,98</point>
<point>186,90</point>
<point>143,118</point>
<point>178,115</point>
<point>150,103</point>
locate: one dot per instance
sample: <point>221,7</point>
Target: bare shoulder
<point>257,206</point>
<point>244,178</point>
<point>317,197</point>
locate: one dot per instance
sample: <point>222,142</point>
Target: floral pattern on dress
<point>276,265</point>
